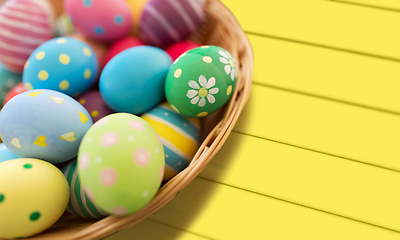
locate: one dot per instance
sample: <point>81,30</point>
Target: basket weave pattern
<point>222,29</point>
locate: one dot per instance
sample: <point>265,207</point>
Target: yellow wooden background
<point>316,151</point>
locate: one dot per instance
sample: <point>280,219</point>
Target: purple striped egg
<point>24,25</point>
<point>165,22</point>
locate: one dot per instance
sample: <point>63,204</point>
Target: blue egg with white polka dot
<point>8,80</point>
<point>63,64</point>
<point>6,154</point>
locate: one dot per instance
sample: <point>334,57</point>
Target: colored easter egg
<point>64,26</point>
<point>17,89</point>
<point>8,80</point>
<point>179,136</point>
<point>166,22</point>
<point>201,81</point>
<point>177,49</point>
<point>100,49</point>
<point>24,25</point>
<point>133,81</point>
<point>63,64</point>
<point>33,196</point>
<point>121,163</point>
<point>6,154</point>
<point>44,124</point>
<point>136,7</point>
<point>100,20</point>
<point>79,204</point>
<point>95,105</point>
<point>122,45</point>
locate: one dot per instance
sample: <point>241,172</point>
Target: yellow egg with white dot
<point>33,196</point>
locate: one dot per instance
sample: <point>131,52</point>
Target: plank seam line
<point>301,205</point>
<point>328,98</point>
<point>184,230</point>
<point>366,5</point>
<point>317,151</point>
<point>323,46</point>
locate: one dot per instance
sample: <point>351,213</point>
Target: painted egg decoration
<point>95,105</point>
<point>8,80</point>
<point>79,204</point>
<point>33,196</point>
<point>44,124</point>
<point>133,81</point>
<point>122,45</point>
<point>100,20</point>
<point>63,64</point>
<point>136,7</point>
<point>177,49</point>
<point>121,163</point>
<point>17,89</point>
<point>5,154</point>
<point>166,22</point>
<point>25,25</point>
<point>179,135</point>
<point>201,81</point>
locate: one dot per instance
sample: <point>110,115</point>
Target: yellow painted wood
<point>322,22</point>
<point>390,4</point>
<point>335,74</point>
<point>150,230</point>
<point>223,212</point>
<point>353,132</point>
<point>332,184</point>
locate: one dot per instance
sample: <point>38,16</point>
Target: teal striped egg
<point>79,204</point>
<point>179,136</point>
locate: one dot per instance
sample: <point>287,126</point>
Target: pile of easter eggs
<point>101,105</point>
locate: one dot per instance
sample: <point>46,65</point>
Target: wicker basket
<point>222,29</point>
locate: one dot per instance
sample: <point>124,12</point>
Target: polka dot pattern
<point>109,139</point>
<point>178,73</point>
<point>207,59</point>
<point>84,161</point>
<point>2,198</point>
<point>34,216</point>
<point>134,143</point>
<point>59,60</point>
<point>99,30</point>
<point>64,59</point>
<point>27,166</point>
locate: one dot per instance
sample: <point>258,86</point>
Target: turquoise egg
<point>63,64</point>
<point>6,154</point>
<point>44,124</point>
<point>179,136</point>
<point>8,80</point>
<point>79,204</point>
<point>133,81</point>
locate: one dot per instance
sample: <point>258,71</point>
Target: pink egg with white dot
<point>100,20</point>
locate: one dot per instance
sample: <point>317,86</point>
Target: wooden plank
<point>322,22</point>
<point>334,74</point>
<point>351,132</point>
<point>388,5</point>
<point>150,230</point>
<point>224,212</point>
<point>324,182</point>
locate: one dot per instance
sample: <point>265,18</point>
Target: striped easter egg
<point>24,25</point>
<point>179,136</point>
<point>164,22</point>
<point>79,204</point>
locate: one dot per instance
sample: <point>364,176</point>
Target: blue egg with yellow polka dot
<point>8,80</point>
<point>6,154</point>
<point>63,64</point>
<point>179,136</point>
<point>44,124</point>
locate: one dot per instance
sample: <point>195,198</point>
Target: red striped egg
<point>165,22</point>
<point>24,25</point>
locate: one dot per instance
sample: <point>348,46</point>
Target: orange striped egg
<point>24,25</point>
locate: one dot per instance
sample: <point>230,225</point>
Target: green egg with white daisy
<point>201,81</point>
